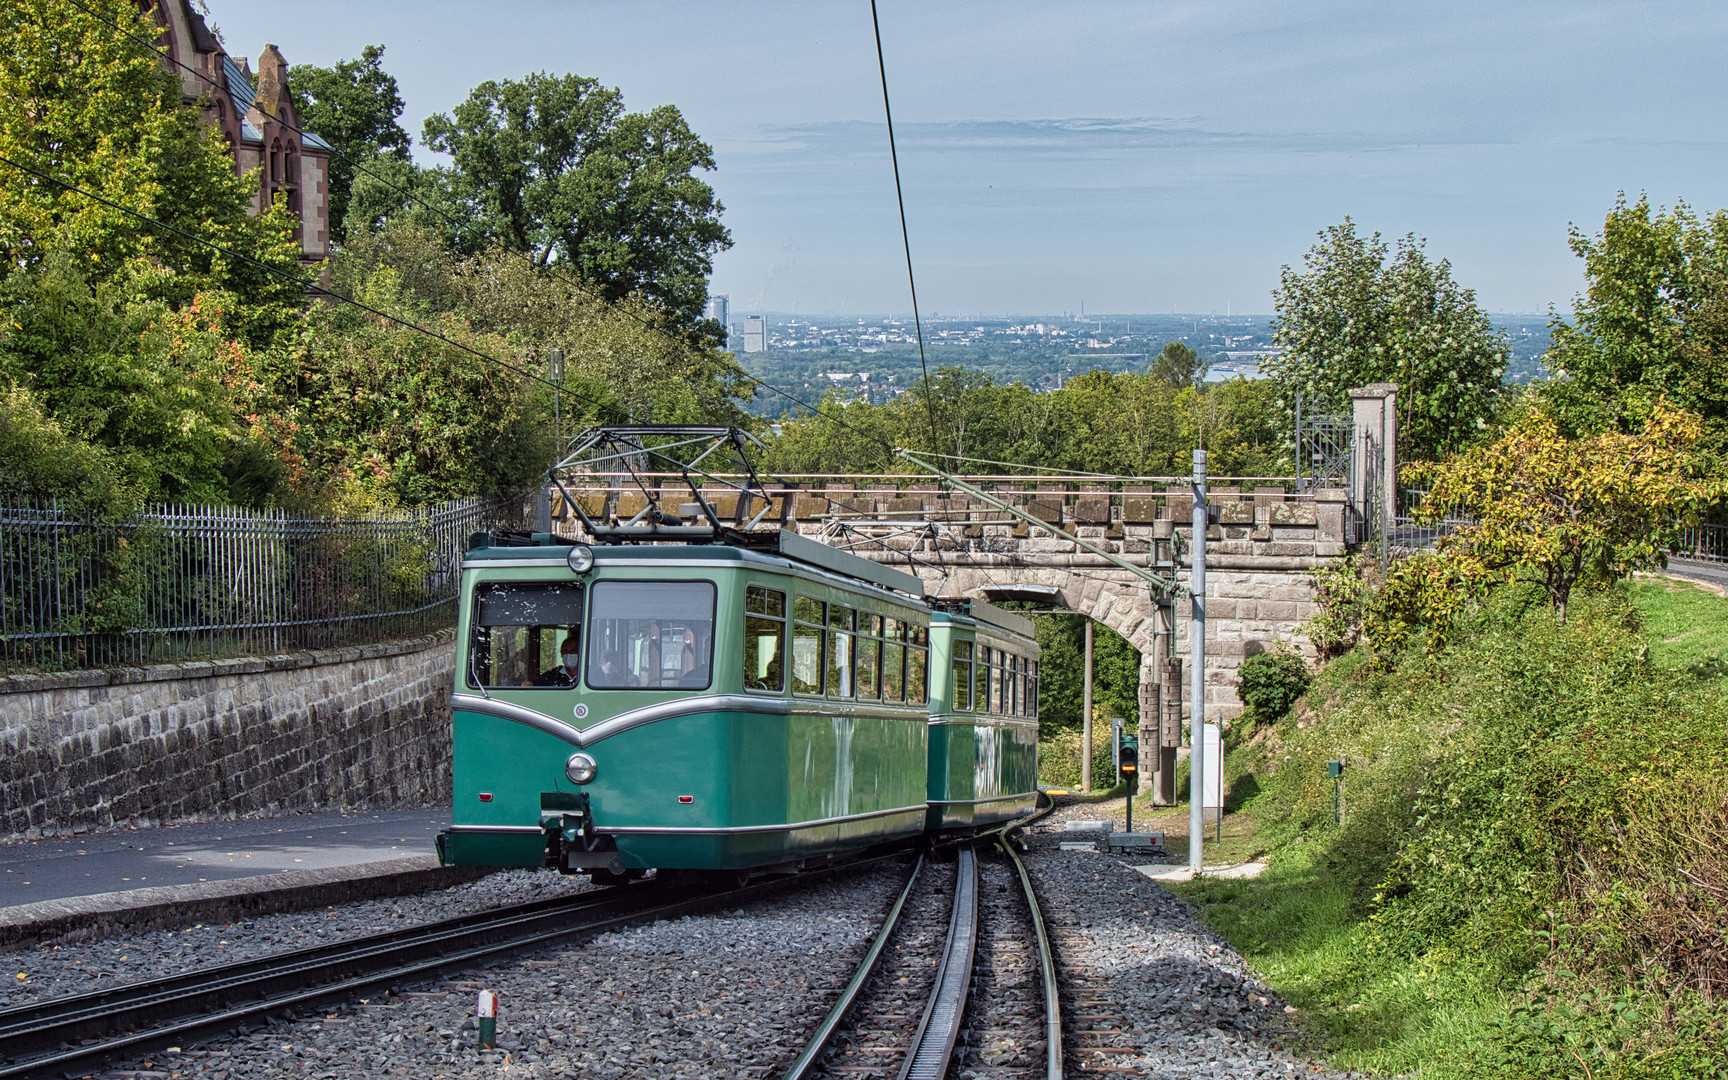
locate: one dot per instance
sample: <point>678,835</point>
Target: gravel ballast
<point>732,993</point>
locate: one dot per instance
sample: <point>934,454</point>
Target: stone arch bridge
<point>1261,552</point>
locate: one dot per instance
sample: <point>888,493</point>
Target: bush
<point>1059,759</point>
<point>1271,682</point>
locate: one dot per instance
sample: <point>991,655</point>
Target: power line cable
<point>905,236</point>
<point>577,283</point>
<point>310,286</point>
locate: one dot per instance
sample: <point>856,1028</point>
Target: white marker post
<point>487,1010</point>
<point>1197,675</point>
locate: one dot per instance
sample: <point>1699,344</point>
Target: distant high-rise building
<point>716,310</point>
<point>755,334</point>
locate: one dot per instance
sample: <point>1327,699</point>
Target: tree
<point>81,102</point>
<point>1350,318</point>
<point>554,167</point>
<point>1548,510</point>
<point>353,107</point>
<point>1177,365</point>
<point>1649,324</point>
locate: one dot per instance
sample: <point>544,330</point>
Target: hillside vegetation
<point>1530,878</point>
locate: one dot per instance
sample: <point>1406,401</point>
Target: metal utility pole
<point>1086,717</point>
<point>1197,674</point>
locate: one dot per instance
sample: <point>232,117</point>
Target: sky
<point>1115,156</point>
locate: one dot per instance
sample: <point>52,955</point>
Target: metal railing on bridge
<point>181,582</point>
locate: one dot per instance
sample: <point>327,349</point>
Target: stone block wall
<point>360,727</point>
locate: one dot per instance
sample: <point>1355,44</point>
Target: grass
<point>1687,623</point>
<point>1306,928</point>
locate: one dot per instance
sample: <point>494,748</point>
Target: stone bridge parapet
<point>1260,554</point>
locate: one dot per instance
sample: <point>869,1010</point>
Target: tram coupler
<point>571,844</point>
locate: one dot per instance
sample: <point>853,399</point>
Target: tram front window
<point>651,635</point>
<point>526,633</point>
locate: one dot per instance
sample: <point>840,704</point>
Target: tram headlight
<point>581,558</point>
<point>580,768</point>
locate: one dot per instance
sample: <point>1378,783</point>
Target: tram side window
<point>981,680</point>
<point>893,660</point>
<point>1032,690</point>
<point>764,632</point>
<point>519,630</point>
<point>841,623</point>
<point>869,655</point>
<point>1019,686</point>
<point>918,664</point>
<point>809,619</point>
<point>651,635</point>
<point>962,676</point>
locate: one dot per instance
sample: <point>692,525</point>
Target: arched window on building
<point>291,187</point>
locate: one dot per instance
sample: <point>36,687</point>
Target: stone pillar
<point>1373,461</point>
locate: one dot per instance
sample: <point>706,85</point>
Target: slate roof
<point>242,93</point>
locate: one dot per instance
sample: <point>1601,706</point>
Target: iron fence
<point>1406,533</point>
<point>1705,542</point>
<point>180,582</point>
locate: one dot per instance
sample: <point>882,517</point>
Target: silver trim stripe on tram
<point>980,802</point>
<point>730,830</point>
<point>666,710</point>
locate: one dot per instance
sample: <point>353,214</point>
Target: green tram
<point>721,707</point>
<point>983,715</point>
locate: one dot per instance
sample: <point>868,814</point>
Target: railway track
<point>86,1031</point>
<point>1005,1023</point>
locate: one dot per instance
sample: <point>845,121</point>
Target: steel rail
<point>806,1062</point>
<point>202,1004</point>
<point>933,1046</point>
<point>1046,967</point>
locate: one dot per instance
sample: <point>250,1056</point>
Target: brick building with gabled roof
<point>256,117</point>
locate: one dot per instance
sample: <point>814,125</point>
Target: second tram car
<point>983,715</point>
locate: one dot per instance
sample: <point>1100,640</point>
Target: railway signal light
<point>1128,760</point>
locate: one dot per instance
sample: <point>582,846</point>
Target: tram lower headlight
<point>581,558</point>
<point>580,768</point>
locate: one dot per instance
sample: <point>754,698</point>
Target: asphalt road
<point>220,851</point>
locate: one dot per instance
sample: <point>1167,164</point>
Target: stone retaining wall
<point>360,727</point>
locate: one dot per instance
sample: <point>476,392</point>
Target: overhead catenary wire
<point>905,234</point>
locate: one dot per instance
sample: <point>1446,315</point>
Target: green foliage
<point>1341,597</point>
<point>1059,759</point>
<point>353,107</point>
<point>1177,365</point>
<point>1548,510</point>
<point>81,101</point>
<point>1351,318</point>
<point>1647,324</point>
<point>381,412</point>
<point>1125,424</point>
<point>1061,693</point>
<point>554,167</point>
<point>38,458</point>
<point>1527,880</point>
<point>1270,683</point>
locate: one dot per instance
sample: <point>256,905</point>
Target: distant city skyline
<point>1131,156</point>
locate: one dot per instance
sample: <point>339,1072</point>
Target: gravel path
<point>1177,999</point>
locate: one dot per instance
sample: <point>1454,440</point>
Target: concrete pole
<point>1197,675</point>
<point>1086,720</point>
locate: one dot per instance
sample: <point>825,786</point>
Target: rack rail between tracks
<point>930,1052</point>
